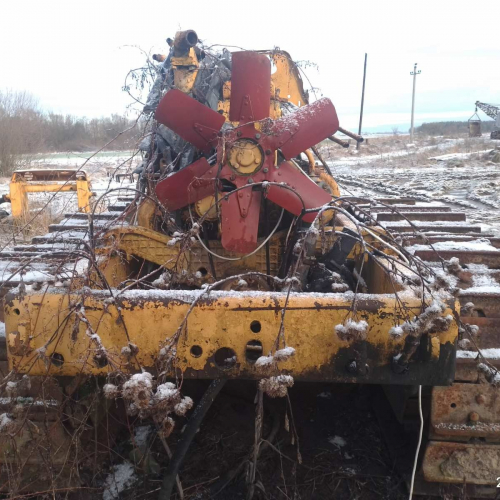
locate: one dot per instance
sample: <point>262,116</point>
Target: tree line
<point>451,128</point>
<point>25,129</point>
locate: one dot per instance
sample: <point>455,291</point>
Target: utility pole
<point>414,73</point>
<point>362,103</point>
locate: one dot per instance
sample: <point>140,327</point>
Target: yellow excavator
<point>237,256</point>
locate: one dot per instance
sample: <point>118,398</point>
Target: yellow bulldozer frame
<point>24,182</point>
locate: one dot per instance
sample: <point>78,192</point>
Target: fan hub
<point>245,156</point>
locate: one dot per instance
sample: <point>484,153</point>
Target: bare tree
<point>21,130</point>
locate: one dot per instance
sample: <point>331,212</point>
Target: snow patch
<point>121,477</point>
<point>337,441</point>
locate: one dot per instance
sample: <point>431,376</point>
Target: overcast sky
<point>73,55</point>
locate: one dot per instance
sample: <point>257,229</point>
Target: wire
<point>248,254</point>
<point>385,243</point>
<point>419,440</point>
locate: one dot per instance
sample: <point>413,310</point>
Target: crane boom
<point>490,109</point>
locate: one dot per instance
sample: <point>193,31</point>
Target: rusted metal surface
<point>225,322</point>
<point>350,134</point>
<point>183,41</point>
<point>396,201</point>
<point>433,238</point>
<point>338,141</point>
<point>424,215</point>
<point>463,411</point>
<point>467,371</point>
<point>450,462</point>
<point>489,331</point>
<point>465,228</point>
<point>404,209</point>
<point>485,304</point>
<point>489,258</point>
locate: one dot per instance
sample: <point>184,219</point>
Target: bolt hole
<point>255,326</point>
<point>203,271</point>
<point>196,351</point>
<point>57,359</point>
<point>253,350</point>
<point>17,311</point>
<point>453,405</point>
<point>225,358</point>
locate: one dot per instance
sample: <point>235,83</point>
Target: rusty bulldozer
<point>237,256</point>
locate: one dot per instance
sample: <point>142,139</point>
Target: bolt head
<point>257,136</point>
<point>238,133</point>
<point>250,181</point>
<point>265,170</point>
<point>268,152</point>
<point>474,416</point>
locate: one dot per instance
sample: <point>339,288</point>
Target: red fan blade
<point>187,186</point>
<point>250,87</point>
<point>310,193</point>
<point>193,121</point>
<point>239,234</point>
<point>305,128</point>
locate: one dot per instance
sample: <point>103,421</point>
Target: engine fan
<point>245,153</point>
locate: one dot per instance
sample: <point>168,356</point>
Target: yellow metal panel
<point>18,199</point>
<point>223,320</point>
<point>286,79</point>
<point>185,71</point>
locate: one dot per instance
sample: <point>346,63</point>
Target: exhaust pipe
<point>344,144</point>
<point>352,135</point>
<point>183,41</point>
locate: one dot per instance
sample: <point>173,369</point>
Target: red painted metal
<point>309,194</point>
<point>250,101</point>
<point>304,128</point>
<point>193,121</point>
<point>250,87</point>
<point>187,186</point>
<point>239,234</point>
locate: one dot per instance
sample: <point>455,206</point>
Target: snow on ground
<point>121,477</point>
<point>99,170</point>
<point>337,441</point>
<point>465,180</point>
<point>457,156</point>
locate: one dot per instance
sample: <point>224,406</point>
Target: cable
<point>385,243</point>
<point>249,254</point>
<point>419,440</point>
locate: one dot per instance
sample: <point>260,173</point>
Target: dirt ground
<point>338,438</point>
